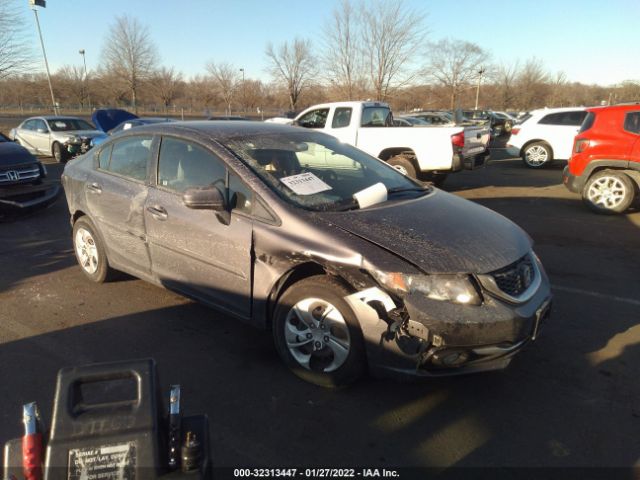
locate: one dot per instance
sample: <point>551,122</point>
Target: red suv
<point>605,163</point>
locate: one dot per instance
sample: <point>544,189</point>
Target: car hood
<point>108,118</point>
<point>438,233</point>
<point>78,133</point>
<point>14,154</point>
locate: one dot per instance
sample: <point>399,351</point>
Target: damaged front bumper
<point>19,199</point>
<point>427,338</point>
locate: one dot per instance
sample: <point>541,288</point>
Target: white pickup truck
<point>428,153</point>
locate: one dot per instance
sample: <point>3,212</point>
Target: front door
<point>196,251</point>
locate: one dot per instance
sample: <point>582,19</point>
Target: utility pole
<point>480,73</point>
<point>34,4</point>
<point>86,77</point>
<point>244,106</point>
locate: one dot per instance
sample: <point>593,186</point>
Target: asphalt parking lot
<point>571,399</point>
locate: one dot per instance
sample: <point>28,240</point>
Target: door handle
<point>94,188</point>
<point>158,212</point>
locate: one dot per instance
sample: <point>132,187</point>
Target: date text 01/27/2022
<point>315,473</point>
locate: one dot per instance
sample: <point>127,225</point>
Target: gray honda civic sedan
<point>353,266</point>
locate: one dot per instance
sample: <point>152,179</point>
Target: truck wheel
<point>403,165</point>
<point>316,333</point>
<point>58,152</point>
<point>537,155</point>
<point>609,192</point>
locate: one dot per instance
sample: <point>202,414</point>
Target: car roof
<point>621,106</point>
<point>545,111</point>
<point>221,129</point>
<point>57,117</point>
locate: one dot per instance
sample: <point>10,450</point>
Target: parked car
<point>427,153</point>
<point>22,180</point>
<point>432,118</point>
<point>408,121</point>
<point>115,120</point>
<point>352,265</point>
<point>498,124</point>
<point>60,137</point>
<point>546,135</point>
<point>605,164</point>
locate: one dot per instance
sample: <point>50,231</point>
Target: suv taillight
<point>581,145</point>
<point>458,140</point>
<point>515,130</point>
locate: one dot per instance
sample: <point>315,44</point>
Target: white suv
<point>545,135</point>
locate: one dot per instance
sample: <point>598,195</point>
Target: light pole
<point>244,108</point>
<point>34,4</point>
<point>480,73</point>
<point>86,77</point>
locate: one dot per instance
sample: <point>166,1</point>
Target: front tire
<point>316,333</point>
<point>609,192</point>
<point>90,252</point>
<point>58,152</point>
<point>537,155</point>
<point>403,165</point>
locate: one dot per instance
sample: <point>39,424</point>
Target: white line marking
<point>630,301</point>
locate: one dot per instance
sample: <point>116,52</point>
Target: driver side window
<point>314,119</point>
<point>183,165</point>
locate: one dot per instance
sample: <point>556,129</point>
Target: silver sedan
<point>60,137</point>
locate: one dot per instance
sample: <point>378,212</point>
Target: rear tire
<point>89,251</point>
<point>609,192</point>
<point>403,165</point>
<point>537,155</point>
<point>317,334</point>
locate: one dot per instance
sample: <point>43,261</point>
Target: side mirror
<point>204,198</point>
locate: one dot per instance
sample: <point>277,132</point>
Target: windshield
<point>317,172</point>
<point>69,124</point>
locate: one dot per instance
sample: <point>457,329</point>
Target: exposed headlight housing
<point>74,139</point>
<point>452,288</point>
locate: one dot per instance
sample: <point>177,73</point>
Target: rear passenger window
<point>571,119</point>
<point>128,157</point>
<point>632,122</point>
<point>341,117</point>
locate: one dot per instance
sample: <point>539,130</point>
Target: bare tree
<point>342,57</point>
<point>532,83</point>
<point>226,78</point>
<point>16,55</point>
<point>505,80</point>
<point>71,85</point>
<point>391,33</point>
<point>167,85</point>
<point>294,65</point>
<point>130,54</point>
<point>455,64</point>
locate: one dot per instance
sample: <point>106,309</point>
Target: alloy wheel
<point>317,335</point>
<point>607,192</point>
<point>86,251</point>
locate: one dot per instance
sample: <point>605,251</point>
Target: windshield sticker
<point>305,184</point>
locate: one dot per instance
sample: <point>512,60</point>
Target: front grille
<point>516,278</point>
<point>19,174</point>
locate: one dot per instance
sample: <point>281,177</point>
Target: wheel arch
<point>292,276</point>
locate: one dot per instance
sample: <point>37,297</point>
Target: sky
<point>591,41</point>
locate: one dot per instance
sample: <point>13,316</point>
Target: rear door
<point>559,130</point>
<point>41,137</point>
<point>632,126</point>
<point>116,193</point>
<point>200,252</point>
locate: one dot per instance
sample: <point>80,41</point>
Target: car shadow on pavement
<point>549,408</point>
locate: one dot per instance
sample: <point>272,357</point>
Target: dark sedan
<point>22,180</point>
<point>352,265</point>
